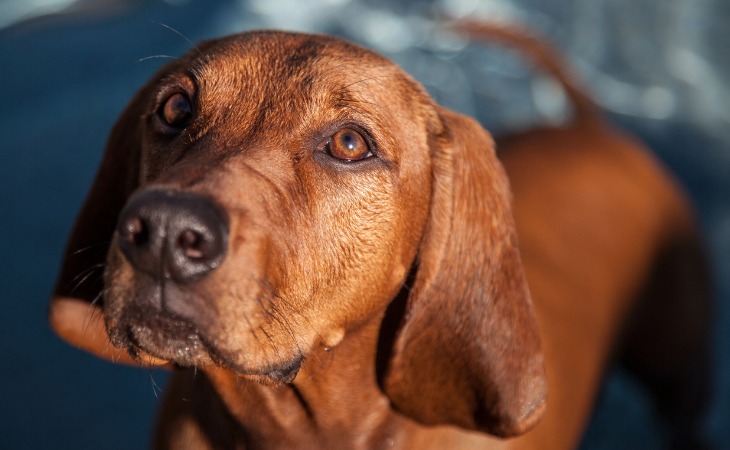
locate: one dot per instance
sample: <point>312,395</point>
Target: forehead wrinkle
<point>263,88</point>
<point>225,97</point>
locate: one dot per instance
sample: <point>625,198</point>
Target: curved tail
<point>542,55</point>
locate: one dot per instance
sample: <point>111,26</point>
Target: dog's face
<point>271,192</point>
<point>310,162</point>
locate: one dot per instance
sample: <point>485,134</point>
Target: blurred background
<point>660,68</point>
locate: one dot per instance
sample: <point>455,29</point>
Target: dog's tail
<point>539,53</point>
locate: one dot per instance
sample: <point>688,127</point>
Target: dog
<point>329,259</point>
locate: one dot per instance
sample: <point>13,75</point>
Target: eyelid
<point>169,86</point>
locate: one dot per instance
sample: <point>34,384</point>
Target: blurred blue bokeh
<point>658,67</point>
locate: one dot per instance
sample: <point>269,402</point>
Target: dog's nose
<point>173,235</point>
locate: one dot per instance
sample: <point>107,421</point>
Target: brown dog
<point>293,216</point>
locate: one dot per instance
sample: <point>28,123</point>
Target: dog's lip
<point>277,372</point>
<point>286,372</point>
<point>148,359</point>
<point>151,337</point>
<point>164,338</point>
<point>185,350</point>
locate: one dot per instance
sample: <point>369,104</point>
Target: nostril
<point>175,235</point>
<point>191,243</point>
<point>134,232</point>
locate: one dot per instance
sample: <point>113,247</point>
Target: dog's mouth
<point>155,337</point>
<point>146,333</point>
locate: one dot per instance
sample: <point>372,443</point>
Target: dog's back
<point>607,238</point>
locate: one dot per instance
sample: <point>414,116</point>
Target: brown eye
<point>177,111</point>
<point>349,145</point>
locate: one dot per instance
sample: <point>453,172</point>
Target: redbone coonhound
<point>329,259</point>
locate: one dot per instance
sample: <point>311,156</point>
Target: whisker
<point>179,34</point>
<point>156,57</point>
<point>299,314</point>
<point>94,315</point>
<point>98,297</point>
<point>88,247</point>
<point>235,294</point>
<point>115,359</point>
<point>287,321</point>
<point>155,387</point>
<point>276,348</point>
<point>86,273</point>
<point>286,325</point>
<point>275,316</point>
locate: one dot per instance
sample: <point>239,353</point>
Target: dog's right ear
<point>75,313</point>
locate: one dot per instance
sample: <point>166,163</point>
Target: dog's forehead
<point>274,61</point>
<point>285,93</point>
<point>258,85</point>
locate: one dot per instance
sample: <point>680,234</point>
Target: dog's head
<point>270,192</point>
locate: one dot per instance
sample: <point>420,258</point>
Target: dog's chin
<point>159,339</point>
<point>156,339</point>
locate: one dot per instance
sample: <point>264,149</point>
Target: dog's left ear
<point>468,351</point>
<point>74,311</point>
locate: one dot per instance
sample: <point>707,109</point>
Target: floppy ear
<point>74,311</point>
<point>468,351</point>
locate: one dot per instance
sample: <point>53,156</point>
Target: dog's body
<point>368,292</point>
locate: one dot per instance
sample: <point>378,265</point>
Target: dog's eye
<point>176,111</point>
<point>349,145</point>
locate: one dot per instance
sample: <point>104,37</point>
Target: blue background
<point>660,68</point>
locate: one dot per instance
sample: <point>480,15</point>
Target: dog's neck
<point>335,398</point>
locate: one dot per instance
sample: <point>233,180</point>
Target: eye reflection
<point>177,111</point>
<point>348,145</point>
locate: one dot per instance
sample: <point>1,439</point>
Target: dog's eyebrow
<point>348,96</point>
<point>365,80</point>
